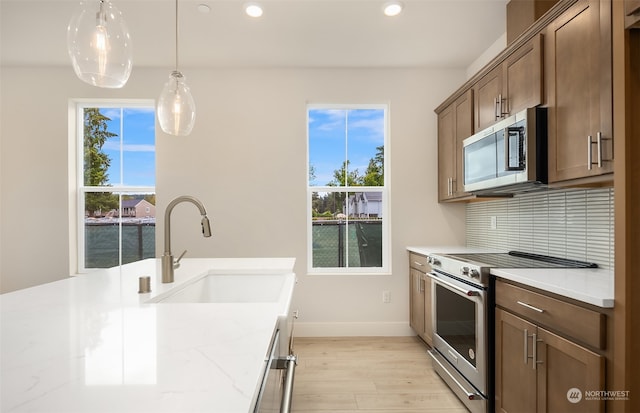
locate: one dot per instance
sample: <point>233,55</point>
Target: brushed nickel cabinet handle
<point>534,342</point>
<point>599,143</point>
<point>530,307</point>
<point>526,346</point>
<point>589,152</point>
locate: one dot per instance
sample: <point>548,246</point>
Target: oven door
<point>459,321</point>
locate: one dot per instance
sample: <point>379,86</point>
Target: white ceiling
<point>291,33</point>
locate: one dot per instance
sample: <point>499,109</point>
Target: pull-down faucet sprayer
<point>167,258</point>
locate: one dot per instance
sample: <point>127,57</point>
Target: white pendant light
<point>176,107</point>
<point>99,44</point>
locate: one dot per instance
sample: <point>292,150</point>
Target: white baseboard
<point>370,329</point>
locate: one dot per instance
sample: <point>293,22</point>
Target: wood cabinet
<point>416,300</point>
<point>521,14</point>
<point>538,370</point>
<point>632,13</point>
<point>510,87</point>
<point>579,91</point>
<point>420,287</point>
<point>488,98</point>
<point>522,77</point>
<point>455,123</point>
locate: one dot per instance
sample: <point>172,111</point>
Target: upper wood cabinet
<point>579,91</point>
<point>455,123</point>
<point>510,87</point>
<point>632,13</point>
<point>488,98</point>
<point>522,83</point>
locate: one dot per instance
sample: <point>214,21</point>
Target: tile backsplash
<point>576,224</point>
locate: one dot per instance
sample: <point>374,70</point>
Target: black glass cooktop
<point>518,259</point>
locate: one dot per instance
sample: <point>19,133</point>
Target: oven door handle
<point>465,291</point>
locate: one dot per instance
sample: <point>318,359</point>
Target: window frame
<point>385,269</point>
<point>77,230</point>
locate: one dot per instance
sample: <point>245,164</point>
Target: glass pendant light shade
<point>176,107</point>
<point>99,44</point>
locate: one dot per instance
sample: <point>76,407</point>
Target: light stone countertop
<point>590,285</point>
<point>91,343</point>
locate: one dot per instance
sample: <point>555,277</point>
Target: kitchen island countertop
<point>91,343</point>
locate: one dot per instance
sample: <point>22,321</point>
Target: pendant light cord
<point>176,35</point>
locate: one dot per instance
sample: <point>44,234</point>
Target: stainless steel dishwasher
<point>276,390</point>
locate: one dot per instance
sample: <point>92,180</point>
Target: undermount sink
<point>227,288</point>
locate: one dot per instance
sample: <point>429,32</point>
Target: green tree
<point>96,162</point>
<point>374,174</point>
<point>345,177</point>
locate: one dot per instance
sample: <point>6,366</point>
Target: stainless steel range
<point>463,318</point>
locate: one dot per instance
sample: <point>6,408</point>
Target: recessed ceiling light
<point>253,9</point>
<point>204,8</point>
<point>392,8</point>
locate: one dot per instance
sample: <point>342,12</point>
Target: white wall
<point>247,149</point>
<point>492,51</point>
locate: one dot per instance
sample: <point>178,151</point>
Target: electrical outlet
<point>386,297</point>
<point>493,222</point>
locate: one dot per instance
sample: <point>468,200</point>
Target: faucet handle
<point>176,263</point>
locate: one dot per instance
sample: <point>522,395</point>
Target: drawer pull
<point>419,264</point>
<point>530,307</point>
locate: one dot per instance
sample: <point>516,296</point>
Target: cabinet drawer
<point>571,320</point>
<point>419,262</point>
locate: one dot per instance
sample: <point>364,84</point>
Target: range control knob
<point>464,270</point>
<point>474,274</point>
<point>433,261</point>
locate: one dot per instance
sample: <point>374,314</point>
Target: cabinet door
<point>563,366</point>
<point>578,74</point>
<point>464,128</point>
<point>455,124</point>
<point>515,377</point>
<point>632,13</point>
<point>446,150</point>
<point>631,7</point>
<point>428,313</point>
<point>416,288</point>
<point>522,77</point>
<point>485,92</point>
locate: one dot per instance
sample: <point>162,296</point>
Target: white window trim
<point>386,204</point>
<point>77,189</point>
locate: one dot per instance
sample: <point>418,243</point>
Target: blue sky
<point>137,141</point>
<point>336,135</point>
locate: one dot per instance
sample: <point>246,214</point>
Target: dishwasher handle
<point>287,392</point>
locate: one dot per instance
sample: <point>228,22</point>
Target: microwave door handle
<point>507,148</point>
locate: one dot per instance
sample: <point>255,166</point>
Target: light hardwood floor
<point>355,374</point>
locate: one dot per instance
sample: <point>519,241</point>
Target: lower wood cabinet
<point>420,318</point>
<point>539,371</point>
<point>416,299</point>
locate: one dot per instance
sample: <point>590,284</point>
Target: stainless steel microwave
<point>508,157</point>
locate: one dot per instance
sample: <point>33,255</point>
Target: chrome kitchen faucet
<point>168,264</point>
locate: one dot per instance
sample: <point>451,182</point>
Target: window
<point>116,183</point>
<point>348,190</point>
